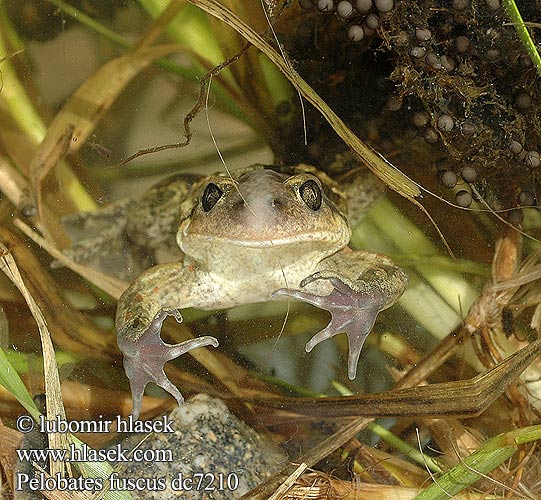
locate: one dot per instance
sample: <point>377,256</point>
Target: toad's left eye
<point>210,197</point>
<point>311,194</point>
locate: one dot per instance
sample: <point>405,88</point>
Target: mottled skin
<point>267,233</point>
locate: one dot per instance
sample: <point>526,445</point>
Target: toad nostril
<point>276,202</point>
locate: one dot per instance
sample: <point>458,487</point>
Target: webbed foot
<point>145,358</point>
<point>354,305</point>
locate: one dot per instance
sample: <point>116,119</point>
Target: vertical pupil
<point>311,194</point>
<point>211,196</point>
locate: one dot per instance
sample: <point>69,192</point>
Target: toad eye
<point>210,197</point>
<point>311,194</point>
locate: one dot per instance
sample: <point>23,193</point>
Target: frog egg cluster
<point>530,158</point>
<point>450,180</point>
<point>431,126</point>
<point>362,17</point>
<point>465,83</point>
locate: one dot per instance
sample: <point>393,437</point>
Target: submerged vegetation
<point>439,99</point>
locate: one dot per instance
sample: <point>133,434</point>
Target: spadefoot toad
<point>266,233</point>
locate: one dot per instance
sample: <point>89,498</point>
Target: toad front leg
<point>363,284</point>
<point>157,293</point>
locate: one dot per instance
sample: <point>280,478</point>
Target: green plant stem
<point>110,35</point>
<point>10,379</point>
<point>193,74</point>
<point>19,360</point>
<point>392,439</point>
<point>90,23</point>
<point>380,431</point>
<point>436,297</point>
<point>22,110</point>
<point>481,462</point>
<point>404,448</point>
<point>282,90</point>
<point>514,15</point>
<point>190,27</point>
<point>11,37</point>
<point>17,101</point>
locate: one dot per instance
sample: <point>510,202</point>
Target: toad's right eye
<point>210,197</point>
<point>311,195</point>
